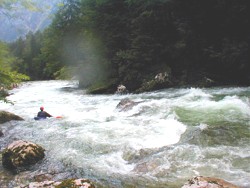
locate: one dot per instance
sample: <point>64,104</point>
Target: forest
<point>104,43</point>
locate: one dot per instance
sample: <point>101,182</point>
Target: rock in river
<point>21,154</point>
<point>7,116</point>
<point>208,182</point>
<point>70,183</point>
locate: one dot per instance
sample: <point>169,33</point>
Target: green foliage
<point>67,183</point>
<point>8,77</point>
<point>28,52</point>
<point>130,41</point>
<point>64,73</point>
<point>50,53</point>
<point>70,183</point>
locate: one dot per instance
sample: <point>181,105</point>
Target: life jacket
<point>42,114</point>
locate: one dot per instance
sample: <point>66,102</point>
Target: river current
<point>169,137</point>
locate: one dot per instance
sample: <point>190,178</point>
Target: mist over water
<point>171,136</point>
<point>84,53</point>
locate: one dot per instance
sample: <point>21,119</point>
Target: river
<point>169,137</point>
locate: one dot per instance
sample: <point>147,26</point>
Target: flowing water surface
<point>169,137</point>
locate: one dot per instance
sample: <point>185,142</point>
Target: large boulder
<point>21,154</point>
<point>161,81</point>
<point>7,116</point>
<point>207,182</point>
<point>81,183</point>
<point>126,104</point>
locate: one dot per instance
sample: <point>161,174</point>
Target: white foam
<point>94,135</point>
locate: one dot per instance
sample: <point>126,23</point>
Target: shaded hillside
<point>112,42</point>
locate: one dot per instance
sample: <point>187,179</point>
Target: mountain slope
<point>18,21</point>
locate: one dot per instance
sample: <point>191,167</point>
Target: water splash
<point>170,136</point>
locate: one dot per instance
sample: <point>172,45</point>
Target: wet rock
<point>161,77</point>
<point>121,89</point>
<point>146,167</point>
<point>21,154</point>
<point>1,133</point>
<point>7,116</point>
<point>43,177</point>
<point>126,104</point>
<point>81,183</point>
<point>47,184</point>
<point>3,92</point>
<point>207,182</point>
<point>29,175</point>
<point>134,156</point>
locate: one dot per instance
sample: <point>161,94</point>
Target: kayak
<point>42,118</point>
<point>39,118</point>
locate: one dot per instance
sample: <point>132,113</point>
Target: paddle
<point>58,117</point>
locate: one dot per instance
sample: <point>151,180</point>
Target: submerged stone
<point>83,183</point>
<point>21,153</point>
<point>69,183</point>
<point>207,182</point>
<point>126,104</point>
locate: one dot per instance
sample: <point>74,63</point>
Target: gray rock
<point>7,116</point>
<point>207,182</point>
<point>126,104</point>
<point>1,133</point>
<point>121,89</point>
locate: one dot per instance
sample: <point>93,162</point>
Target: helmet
<point>42,108</point>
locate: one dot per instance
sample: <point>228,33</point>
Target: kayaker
<point>42,113</point>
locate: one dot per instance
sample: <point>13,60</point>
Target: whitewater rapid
<point>169,137</point>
